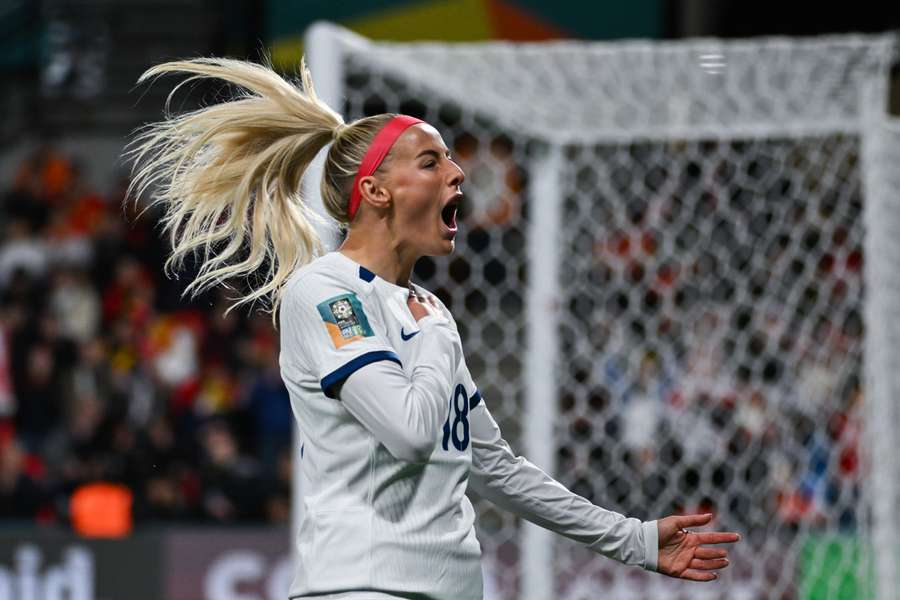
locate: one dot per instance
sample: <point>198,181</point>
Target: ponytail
<point>228,176</point>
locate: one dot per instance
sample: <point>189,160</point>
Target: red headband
<point>381,145</point>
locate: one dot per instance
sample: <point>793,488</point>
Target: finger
<point>695,575</point>
<point>693,520</point>
<point>708,565</point>
<point>717,537</point>
<point>710,553</point>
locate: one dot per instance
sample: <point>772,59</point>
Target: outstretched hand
<point>683,554</point>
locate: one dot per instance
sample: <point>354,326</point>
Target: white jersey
<point>393,430</point>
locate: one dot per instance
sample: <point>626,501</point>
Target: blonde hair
<point>228,175</point>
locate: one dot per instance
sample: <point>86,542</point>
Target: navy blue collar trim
<point>365,274</point>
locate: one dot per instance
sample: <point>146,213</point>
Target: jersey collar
<point>369,277</point>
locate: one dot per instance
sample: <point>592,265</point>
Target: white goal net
<point>675,290</point>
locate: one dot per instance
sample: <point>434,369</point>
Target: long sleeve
<point>514,484</point>
<point>406,413</point>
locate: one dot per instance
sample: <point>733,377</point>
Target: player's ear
<point>374,193</point>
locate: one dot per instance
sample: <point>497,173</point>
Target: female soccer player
<point>393,427</point>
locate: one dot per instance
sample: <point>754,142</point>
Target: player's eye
<point>429,164</point>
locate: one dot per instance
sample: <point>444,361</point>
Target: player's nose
<point>457,175</point>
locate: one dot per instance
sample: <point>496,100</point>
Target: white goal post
<point>678,289</point>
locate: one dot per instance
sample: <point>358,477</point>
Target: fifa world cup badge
<point>344,319</point>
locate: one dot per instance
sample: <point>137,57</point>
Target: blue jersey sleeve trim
<point>342,373</point>
<point>474,400</point>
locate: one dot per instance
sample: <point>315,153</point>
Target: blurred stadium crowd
<point>107,375</point>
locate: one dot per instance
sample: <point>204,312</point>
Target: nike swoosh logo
<point>405,337</point>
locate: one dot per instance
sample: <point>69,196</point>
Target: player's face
<point>425,187</point>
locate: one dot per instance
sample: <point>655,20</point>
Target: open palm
<point>684,554</point>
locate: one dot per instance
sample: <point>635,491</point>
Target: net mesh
<point>710,302</point>
<point>714,319</point>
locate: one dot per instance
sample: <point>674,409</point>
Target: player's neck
<point>387,260</point>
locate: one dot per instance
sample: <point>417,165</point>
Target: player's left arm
<point>517,485</point>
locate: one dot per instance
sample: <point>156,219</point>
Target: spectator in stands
<point>169,488</point>
<point>232,489</point>
<point>644,411</point>
<point>22,251</point>
<point>21,496</point>
<point>23,202</point>
<point>40,398</point>
<point>278,497</point>
<point>75,304</point>
<point>271,411</point>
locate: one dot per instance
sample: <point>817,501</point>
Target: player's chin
<point>443,248</point>
<point>447,240</point>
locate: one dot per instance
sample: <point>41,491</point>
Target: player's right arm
<point>358,367</point>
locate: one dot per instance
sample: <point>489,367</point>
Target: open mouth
<point>448,214</point>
